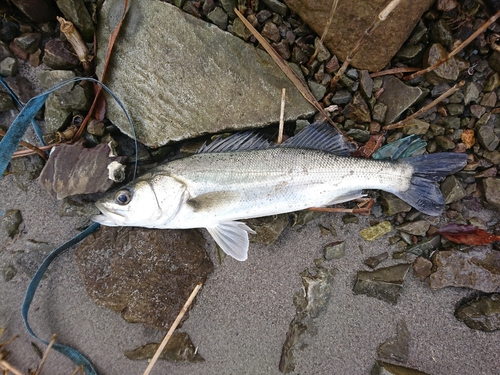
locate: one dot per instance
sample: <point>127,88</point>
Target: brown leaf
<point>468,138</point>
<point>467,234</point>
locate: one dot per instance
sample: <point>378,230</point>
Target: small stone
<point>493,156</point>
<point>22,87</point>
<point>350,219</point>
<point>492,84</point>
<point>283,49</point>
<point>444,142</point>
<point>33,255</point>
<point>263,15</point>
<point>317,90</point>
<point>341,97</point>
<point>491,187</point>
<point>28,42</point>
<point>11,220</point>
<point>374,261</point>
<point>421,268</point>
<point>441,33</point>
<point>477,110</point>
<point>487,137</point>
<point>59,56</point>
<point>268,228</point>
<point>332,65</point>
<point>385,284</point>
<point>376,231</point>
<point>494,61</point>
<point>9,271</point>
<point>411,53</point>
<point>471,92</point>
<point>416,126</point>
<point>379,111</point>
<point>451,122</point>
<point>334,250</point>
<point>357,110</point>
<point>446,72</point>
<point>50,78</point>
<point>76,12</point>
<point>323,53</point>
<point>489,99</point>
<point>359,135</point>
<point>424,247</point>
<point>383,368</point>
<point>35,58</point>
<point>365,83</point>
<point>393,205</point>
<point>398,97</point>
<point>9,67</point>
<point>452,190</point>
<point>228,6</point>
<point>482,313</point>
<point>455,109</point>
<point>396,348</point>
<point>276,6</point>
<point>446,5</point>
<point>475,268</point>
<point>218,17</point>
<point>55,116</point>
<point>6,102</point>
<point>271,32</point>
<point>416,228</point>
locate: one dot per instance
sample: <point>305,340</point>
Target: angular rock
<point>55,116</point>
<point>352,18</point>
<point>396,348</point>
<point>374,261</point>
<point>341,97</point>
<point>6,101</point>
<point>334,250</point>
<point>145,274</point>
<point>33,255</point>
<point>37,10</point>
<point>218,17</point>
<point>385,284</point>
<point>76,12</point>
<point>424,247</point>
<point>50,78</point>
<point>441,33</point>
<point>476,268</point>
<point>393,205</point>
<point>271,32</point>
<point>379,111</point>
<point>323,53</point>
<point>422,268</point>
<point>317,90</point>
<point>417,228</point>
<point>452,190</point>
<point>9,67</point>
<point>276,6</point>
<point>482,313</point>
<point>179,348</point>
<point>487,137</point>
<point>446,72</point>
<point>416,126</point>
<point>492,191</point>
<point>398,97</point>
<point>268,228</point>
<point>11,220</point>
<point>384,368</point>
<point>57,55</point>
<point>191,78</point>
<point>28,42</point>
<point>471,92</point>
<point>376,231</point>
<point>357,110</point>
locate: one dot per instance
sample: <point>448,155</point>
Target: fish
<point>245,176</point>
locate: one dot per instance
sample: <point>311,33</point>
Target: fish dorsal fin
<point>319,136</point>
<point>237,142</point>
<point>232,237</point>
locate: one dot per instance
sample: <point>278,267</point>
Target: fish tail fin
<point>424,193</point>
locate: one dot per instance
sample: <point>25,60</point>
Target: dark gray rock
<point>365,83</point>
<point>357,110</point>
<point>359,135</point>
<point>341,97</point>
<point>334,250</point>
<point>385,284</point>
<point>37,10</point>
<point>452,190</point>
<point>482,313</point>
<point>228,6</point>
<point>446,72</point>
<point>487,137</point>
<point>396,348</point>
<point>374,261</point>
<point>11,220</point>
<point>417,228</point>
<point>196,79</point>
<point>424,247</point>
<point>384,368</point>
<point>55,116</point>
<point>76,12</point>
<point>144,274</point>
<point>398,97</point>
<point>28,42</point>
<point>441,33</point>
<point>276,6</point>
<point>323,53</point>
<point>58,55</point>
<point>475,268</point>
<point>9,67</point>
<point>492,191</point>
<point>219,17</point>
<point>317,90</point>
<point>6,101</point>
<point>393,205</point>
<point>268,228</point>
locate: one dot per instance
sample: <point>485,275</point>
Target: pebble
<point>76,12</point>
<point>446,72</point>
<point>398,97</point>
<point>452,190</point>
<point>384,368</point>
<point>376,231</point>
<point>422,268</point>
<point>441,33</point>
<point>487,137</point>
<point>396,348</point>
<point>471,92</point>
<point>416,126</point>
<point>58,56</point>
<point>323,53</point>
<point>374,261</point>
<point>491,187</point>
<point>267,229</point>
<point>10,221</point>
<point>228,6</point>
<point>28,42</point>
<point>341,97</point>
<point>6,102</point>
<point>350,219</point>
<point>378,112</point>
<point>416,228</point>
<point>317,89</point>
<point>392,204</point>
<point>218,17</point>
<point>276,6</point>
<point>334,250</point>
<point>365,83</point>
<point>493,83</point>
<point>455,109</point>
<point>424,247</point>
<point>271,32</point>
<point>489,99</point>
<point>357,110</point>
<point>482,313</point>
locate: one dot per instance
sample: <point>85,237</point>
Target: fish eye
<point>123,197</point>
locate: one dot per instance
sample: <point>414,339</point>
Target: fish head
<point>147,202</point>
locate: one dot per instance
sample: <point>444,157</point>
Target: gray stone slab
<point>398,97</point>
<point>180,77</point>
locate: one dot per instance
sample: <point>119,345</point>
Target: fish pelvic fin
<point>424,193</point>
<point>232,237</point>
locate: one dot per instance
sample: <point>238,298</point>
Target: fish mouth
<point>107,217</point>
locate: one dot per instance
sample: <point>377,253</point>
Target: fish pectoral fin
<point>213,200</point>
<point>232,237</point>
<point>347,197</point>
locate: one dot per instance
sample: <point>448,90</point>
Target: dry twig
<point>45,355</point>
<point>460,47</point>
<point>394,71</point>
<point>172,328</point>
<point>78,370</point>
<point>33,149</point>
<point>282,117</point>
<point>327,27</point>
<point>402,123</point>
<point>382,16</point>
<point>6,367</point>
<point>364,208</point>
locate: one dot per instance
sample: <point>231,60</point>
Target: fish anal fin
<point>232,237</point>
<point>349,196</point>
<point>213,200</point>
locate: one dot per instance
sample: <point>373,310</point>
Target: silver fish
<point>243,177</point>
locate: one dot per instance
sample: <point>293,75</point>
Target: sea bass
<point>244,176</point>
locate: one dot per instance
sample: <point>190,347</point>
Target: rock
<point>398,97</point>
<point>341,97</point>
<point>444,142</point>
<point>374,261</point>
<point>452,190</point>
<point>477,111</point>
<point>441,33</point>
<point>28,42</point>
<point>276,6</point>
<point>145,274</point>
<point>411,54</point>
<point>357,110</point>
<point>50,78</point>
<point>268,228</point>
<point>74,100</point>
<point>283,49</point>
<point>384,368</point>
<point>199,86</point>
<point>69,166</point>
<point>271,32</point>
<point>9,272</point>
<point>475,268</point>
<point>317,89</point>
<point>446,72</point>
<point>33,255</point>
<point>494,61</point>
<point>446,5</point>
<point>179,348</point>
<point>421,268</point>
<point>492,191</point>
<point>218,17</point>
<point>493,83</point>
<point>451,122</point>
<point>11,220</point>
<point>359,135</point>
<point>37,10</point>
<point>57,55</point>
<point>396,348</point>
<point>489,99</point>
<point>21,87</point>
<point>482,313</point>
<point>350,219</point>
<point>8,31</point>
<point>323,53</point>
<point>424,247</point>
<point>471,92</point>
<point>385,284</point>
<point>379,111</point>
<point>228,6</point>
<point>417,228</point>
<point>455,109</point>
<point>365,83</point>
<point>334,250</point>
<point>55,116</point>
<point>487,137</point>
<point>342,38</point>
<point>76,12</point>
<point>393,205</point>
<point>416,126</point>
<point>6,101</point>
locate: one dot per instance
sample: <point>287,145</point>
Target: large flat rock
<point>180,77</point>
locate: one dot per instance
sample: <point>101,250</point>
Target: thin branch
<point>45,355</point>
<point>402,123</point>
<point>282,117</point>
<point>460,47</point>
<point>7,366</point>
<point>394,71</point>
<point>327,27</point>
<point>172,328</point>
<point>29,145</point>
<point>381,17</point>
<point>78,370</point>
